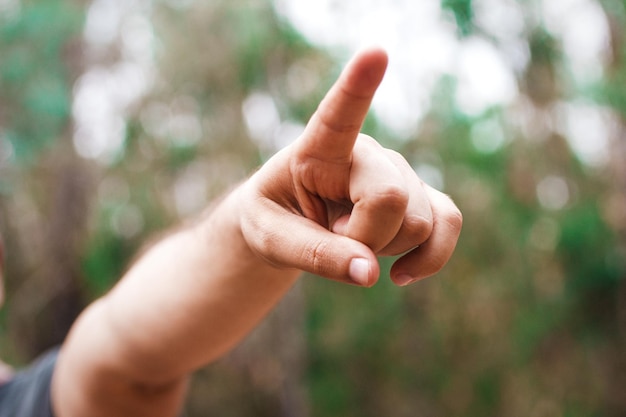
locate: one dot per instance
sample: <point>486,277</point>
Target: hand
<point>335,199</point>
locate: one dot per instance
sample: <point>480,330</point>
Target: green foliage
<point>525,319</point>
<point>103,262</point>
<point>35,83</point>
<point>463,14</point>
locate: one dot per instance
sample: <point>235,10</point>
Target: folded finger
<point>379,193</point>
<point>432,255</point>
<point>307,246</point>
<point>417,224</point>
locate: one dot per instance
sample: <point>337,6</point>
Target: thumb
<point>307,246</point>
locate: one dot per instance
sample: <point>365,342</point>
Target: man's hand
<point>335,199</point>
<point>329,204</point>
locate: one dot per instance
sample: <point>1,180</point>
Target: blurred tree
<point>463,14</point>
<point>44,190</point>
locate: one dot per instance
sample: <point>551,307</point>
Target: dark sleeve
<point>28,393</point>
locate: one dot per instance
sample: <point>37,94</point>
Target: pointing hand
<point>335,199</point>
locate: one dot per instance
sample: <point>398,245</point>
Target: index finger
<point>333,128</point>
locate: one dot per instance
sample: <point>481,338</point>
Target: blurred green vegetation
<point>529,317</point>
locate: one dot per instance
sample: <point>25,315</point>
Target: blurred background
<point>120,117</point>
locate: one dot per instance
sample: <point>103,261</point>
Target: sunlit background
<point>120,117</point>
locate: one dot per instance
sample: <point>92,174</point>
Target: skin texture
<point>330,204</point>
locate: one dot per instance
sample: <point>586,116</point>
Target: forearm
<point>329,204</point>
<point>195,295</point>
<point>186,301</point>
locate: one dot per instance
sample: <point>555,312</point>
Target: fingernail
<point>404,279</point>
<point>360,271</point>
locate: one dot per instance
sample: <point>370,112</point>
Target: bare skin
<point>330,204</point>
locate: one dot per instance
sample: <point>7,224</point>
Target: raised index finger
<point>333,129</point>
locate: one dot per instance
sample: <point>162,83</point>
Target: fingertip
<point>373,51</point>
<point>363,272</point>
<point>421,263</point>
<point>379,55</point>
<point>371,63</point>
<point>340,226</point>
<point>402,280</point>
<point>360,271</point>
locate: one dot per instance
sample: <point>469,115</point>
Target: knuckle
<point>260,238</point>
<point>390,197</point>
<point>418,227</point>
<point>265,244</point>
<point>328,120</point>
<point>454,218</point>
<point>316,255</point>
<point>395,156</point>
